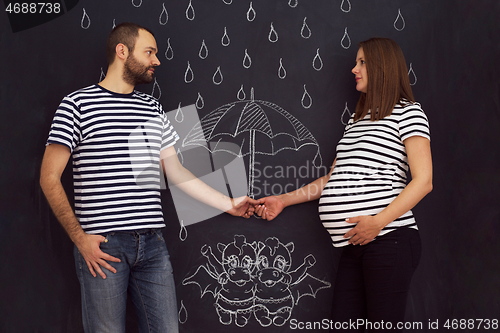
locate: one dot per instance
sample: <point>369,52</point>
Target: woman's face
<point>360,73</point>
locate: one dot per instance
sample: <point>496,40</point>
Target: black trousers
<point>372,283</point>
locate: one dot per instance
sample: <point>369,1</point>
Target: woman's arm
<point>270,207</point>
<point>420,160</point>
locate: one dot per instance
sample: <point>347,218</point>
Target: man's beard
<point>135,73</point>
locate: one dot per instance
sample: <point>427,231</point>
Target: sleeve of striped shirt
<point>413,122</point>
<point>170,136</point>
<point>65,129</point>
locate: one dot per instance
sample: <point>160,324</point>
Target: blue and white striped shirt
<point>115,140</point>
<point>371,170</point>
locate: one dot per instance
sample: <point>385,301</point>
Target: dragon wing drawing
<point>308,285</point>
<point>207,280</point>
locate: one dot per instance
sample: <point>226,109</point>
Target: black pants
<point>373,281</point>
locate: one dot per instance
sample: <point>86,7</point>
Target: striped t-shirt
<point>370,170</point>
<point>115,140</point>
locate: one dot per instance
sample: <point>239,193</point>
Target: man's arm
<point>54,161</point>
<point>181,177</point>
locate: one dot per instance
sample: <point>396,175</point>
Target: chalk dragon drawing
<point>255,280</point>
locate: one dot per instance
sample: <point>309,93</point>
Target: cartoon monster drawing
<point>274,300</point>
<point>255,279</point>
<point>235,293</point>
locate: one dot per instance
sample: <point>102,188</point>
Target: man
<point>117,137</point>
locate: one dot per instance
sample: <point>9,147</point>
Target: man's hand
<point>242,206</point>
<point>89,247</point>
<point>270,207</point>
<point>365,231</point>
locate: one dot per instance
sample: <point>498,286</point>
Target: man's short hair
<point>125,33</point>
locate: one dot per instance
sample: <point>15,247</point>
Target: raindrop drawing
<point>217,78</point>
<point>293,3</point>
<point>273,35</point>
<point>305,32</point>
<point>190,14</point>
<point>412,75</point>
<point>241,94</point>
<point>345,6</point>
<point>317,62</point>
<point>346,115</point>
<point>251,14</point>
<point>200,103</point>
<point>183,315</point>
<point>169,53</point>
<point>306,99</point>
<point>85,22</point>
<point>281,70</point>
<point>188,75</point>
<point>203,54</point>
<point>102,75</point>
<point>137,3</point>
<point>179,114</point>
<point>227,2</point>
<point>225,38</point>
<point>247,61</point>
<point>156,93</point>
<point>181,159</point>
<point>346,40</point>
<point>399,22</point>
<point>183,234</point>
<point>163,15</point>
<point>114,24</point>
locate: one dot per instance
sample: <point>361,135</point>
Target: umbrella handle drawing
<point>251,165</point>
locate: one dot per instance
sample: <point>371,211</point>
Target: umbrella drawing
<point>257,127</point>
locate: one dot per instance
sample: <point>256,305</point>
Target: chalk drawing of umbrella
<point>258,127</point>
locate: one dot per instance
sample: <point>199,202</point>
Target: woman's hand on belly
<point>366,229</point>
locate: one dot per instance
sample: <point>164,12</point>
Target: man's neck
<point>114,82</point>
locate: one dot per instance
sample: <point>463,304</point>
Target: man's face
<point>140,64</point>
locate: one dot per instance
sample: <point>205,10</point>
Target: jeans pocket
<point>416,249</point>
<point>384,253</point>
<point>159,235</point>
<point>107,241</point>
<point>112,245</point>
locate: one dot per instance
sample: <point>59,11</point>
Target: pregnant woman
<point>365,201</point>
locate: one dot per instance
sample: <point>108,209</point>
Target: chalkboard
<point>286,65</point>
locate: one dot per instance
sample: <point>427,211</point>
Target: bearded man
<point>118,138</point>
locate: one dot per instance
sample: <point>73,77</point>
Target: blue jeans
<point>145,272</point>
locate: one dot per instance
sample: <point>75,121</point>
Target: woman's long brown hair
<point>388,81</point>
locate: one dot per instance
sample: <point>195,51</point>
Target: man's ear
<point>121,51</point>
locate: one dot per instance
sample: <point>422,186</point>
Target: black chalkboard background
<point>452,49</point>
